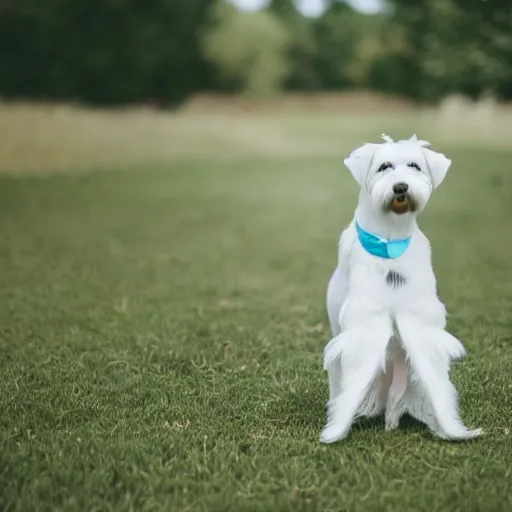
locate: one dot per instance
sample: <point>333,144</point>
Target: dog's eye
<point>385,166</point>
<point>414,165</point>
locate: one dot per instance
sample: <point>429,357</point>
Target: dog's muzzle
<point>402,201</point>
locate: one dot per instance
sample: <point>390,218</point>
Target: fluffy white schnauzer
<point>390,352</point>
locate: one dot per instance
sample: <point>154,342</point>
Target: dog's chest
<point>386,281</point>
<point>395,279</point>
<point>386,278</point>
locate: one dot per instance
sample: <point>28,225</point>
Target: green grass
<point>161,338</point>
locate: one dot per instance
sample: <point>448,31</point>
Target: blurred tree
<point>330,52</point>
<point>303,75</point>
<point>285,9</point>
<point>392,68</point>
<point>250,50</point>
<point>103,51</point>
<point>302,48</point>
<point>122,51</point>
<point>457,46</point>
<point>338,32</point>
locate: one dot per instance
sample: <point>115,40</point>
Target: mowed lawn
<point>161,338</point>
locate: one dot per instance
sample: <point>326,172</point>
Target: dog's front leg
<point>359,354</point>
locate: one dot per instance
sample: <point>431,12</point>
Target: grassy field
<point>40,138</point>
<point>162,329</point>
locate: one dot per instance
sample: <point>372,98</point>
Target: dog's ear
<point>438,165</point>
<point>359,161</point>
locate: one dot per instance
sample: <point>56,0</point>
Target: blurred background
<point>99,82</point>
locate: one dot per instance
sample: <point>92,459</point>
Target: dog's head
<point>399,176</point>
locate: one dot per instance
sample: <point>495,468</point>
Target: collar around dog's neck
<point>380,247</point>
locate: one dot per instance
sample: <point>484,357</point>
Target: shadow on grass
<point>306,410</point>
<point>407,424</point>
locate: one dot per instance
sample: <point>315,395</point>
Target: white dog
<point>390,352</point>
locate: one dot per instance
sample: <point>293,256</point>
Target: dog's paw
<point>464,435</point>
<point>332,433</point>
<point>477,432</point>
<point>469,434</point>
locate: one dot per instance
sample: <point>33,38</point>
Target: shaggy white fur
<point>390,352</point>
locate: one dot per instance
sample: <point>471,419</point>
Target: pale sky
<point>312,7</point>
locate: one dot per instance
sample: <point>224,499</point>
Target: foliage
<point>122,51</point>
<point>103,51</point>
<point>248,49</point>
<point>458,46</point>
<point>303,47</point>
<point>342,34</point>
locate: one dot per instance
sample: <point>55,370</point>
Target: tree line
<point>127,51</point>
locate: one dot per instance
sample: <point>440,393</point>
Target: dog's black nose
<point>400,188</point>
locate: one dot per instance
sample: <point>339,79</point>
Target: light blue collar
<point>378,246</point>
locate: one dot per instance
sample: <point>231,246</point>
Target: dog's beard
<point>416,197</point>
